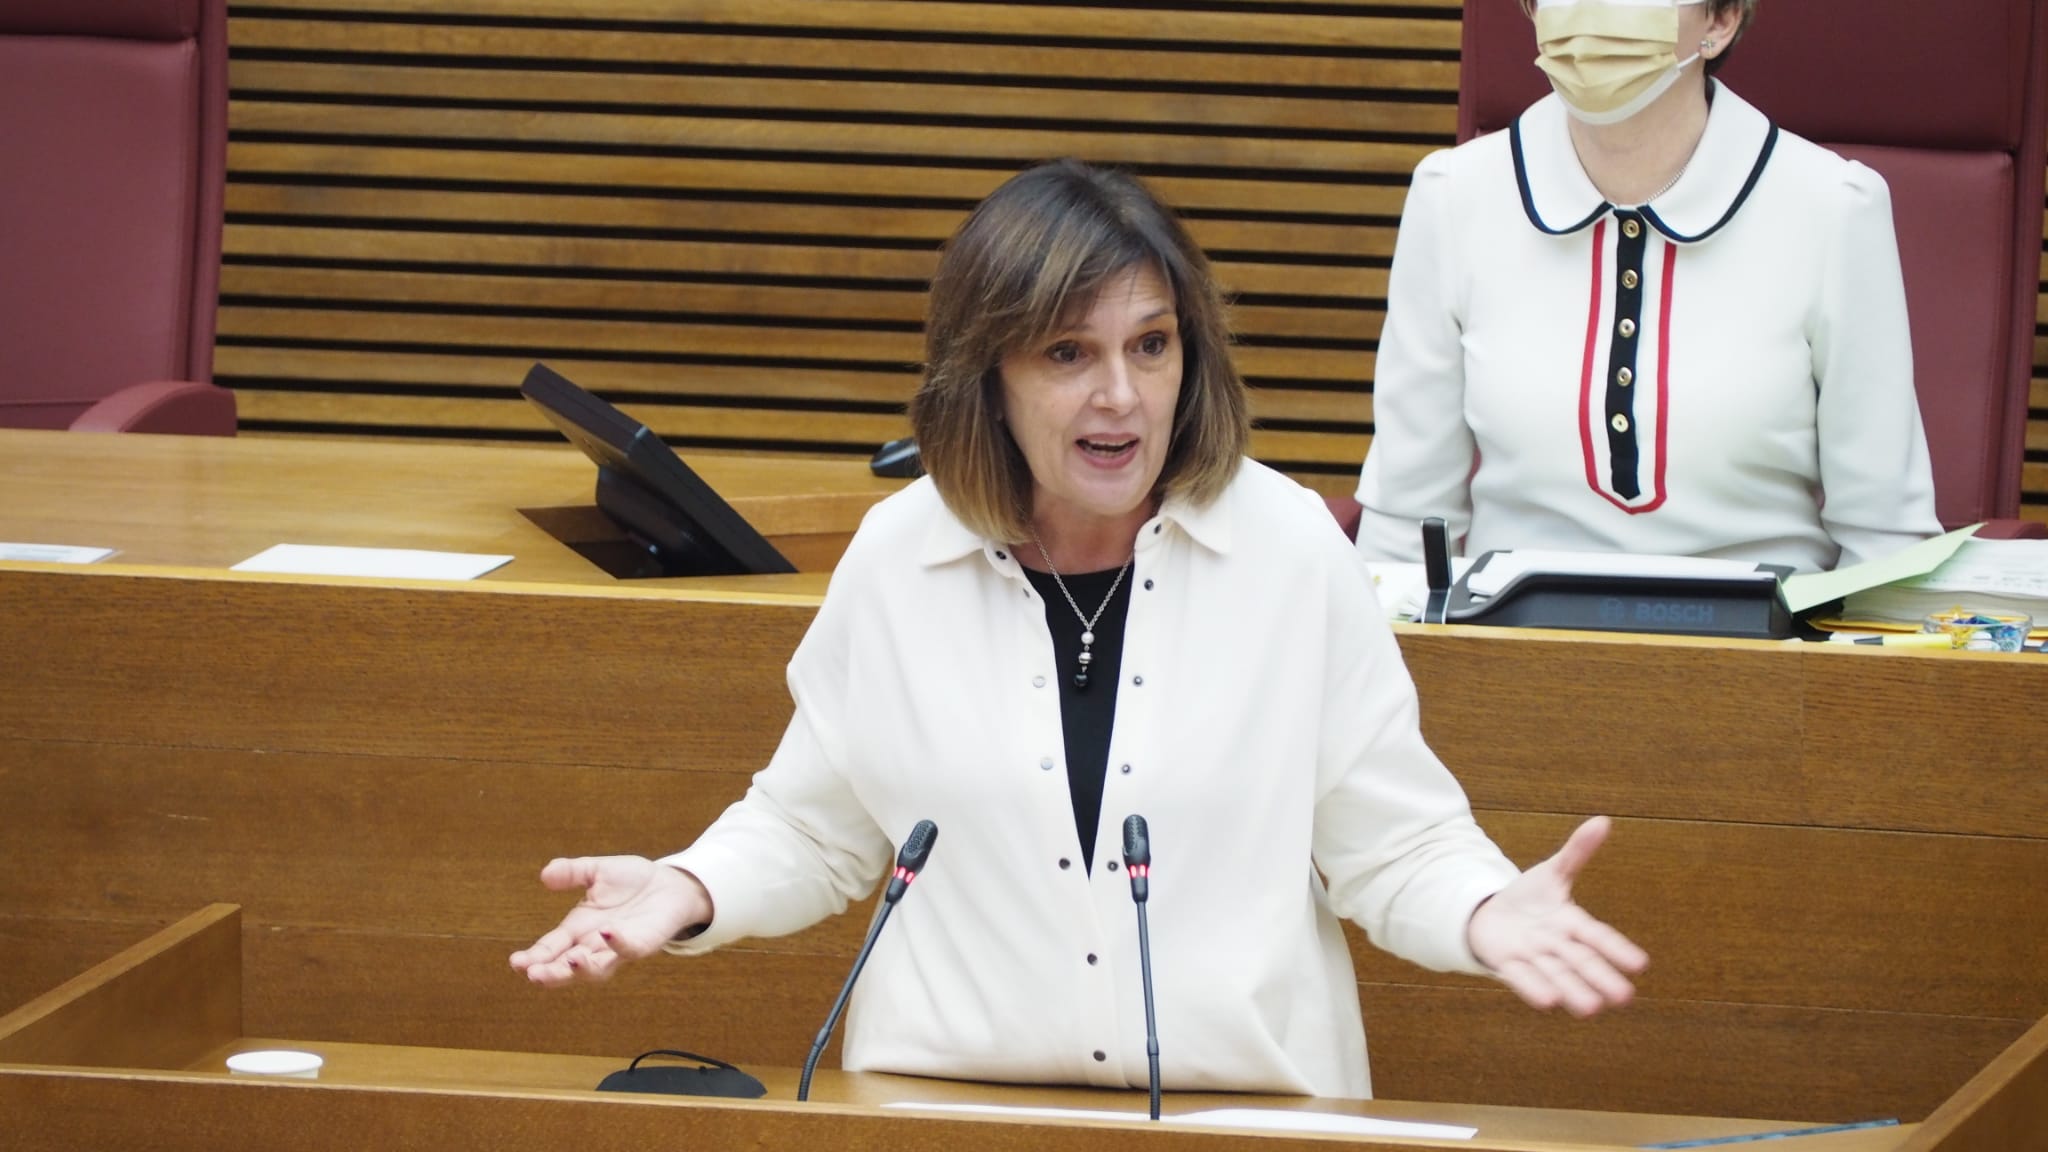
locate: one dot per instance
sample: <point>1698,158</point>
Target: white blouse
<point>1265,727</point>
<point>1725,371</point>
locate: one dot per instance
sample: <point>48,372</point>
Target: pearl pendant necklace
<point>1087,621</point>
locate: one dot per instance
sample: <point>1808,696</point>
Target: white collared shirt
<point>1265,728</point>
<point>1733,380</point>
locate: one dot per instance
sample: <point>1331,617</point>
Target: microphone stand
<point>909,862</point>
<point>1138,866</point>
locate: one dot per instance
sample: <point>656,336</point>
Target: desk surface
<point>1803,834</point>
<point>377,1065</point>
<point>211,502</point>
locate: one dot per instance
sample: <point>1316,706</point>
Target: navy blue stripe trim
<point>1756,172</point>
<point>1529,198</point>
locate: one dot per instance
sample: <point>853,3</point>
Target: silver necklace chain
<point>1087,622</point>
<point>1670,184</point>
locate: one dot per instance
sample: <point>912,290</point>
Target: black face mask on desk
<point>711,1078</point>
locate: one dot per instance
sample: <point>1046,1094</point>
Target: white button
<point>1038,681</point>
<point>1046,763</point>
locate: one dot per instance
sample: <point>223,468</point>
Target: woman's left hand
<point>1548,949</point>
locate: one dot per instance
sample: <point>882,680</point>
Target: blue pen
<point>1779,1135</point>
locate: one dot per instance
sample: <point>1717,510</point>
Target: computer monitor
<point>666,509</point>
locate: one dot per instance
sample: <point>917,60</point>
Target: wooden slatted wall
<point>721,213</point>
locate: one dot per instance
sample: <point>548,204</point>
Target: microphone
<point>917,847</point>
<point>1138,866</point>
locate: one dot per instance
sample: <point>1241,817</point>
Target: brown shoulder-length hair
<point>1027,262</point>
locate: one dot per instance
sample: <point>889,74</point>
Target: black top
<point>1086,714</point>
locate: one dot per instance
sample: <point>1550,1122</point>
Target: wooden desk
<point>1834,856</point>
<point>207,502</point>
<point>131,1054</point>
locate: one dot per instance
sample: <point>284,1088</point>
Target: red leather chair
<point>113,145</point>
<point>1949,102</point>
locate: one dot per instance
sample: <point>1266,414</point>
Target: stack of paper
<point>2003,576</point>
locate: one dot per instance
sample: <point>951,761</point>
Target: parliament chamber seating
<point>113,123</point>
<point>1949,102</point>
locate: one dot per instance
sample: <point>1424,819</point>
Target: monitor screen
<point>666,509</point>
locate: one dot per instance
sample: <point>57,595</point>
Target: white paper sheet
<point>1271,1119</point>
<point>1264,1119</point>
<point>53,553</point>
<point>1505,566</point>
<point>403,563</point>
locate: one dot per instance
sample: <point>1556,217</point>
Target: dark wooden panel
<point>160,1003</point>
<point>1740,913</point>
<point>319,667</point>
<point>1681,1056</point>
<point>1721,731</point>
<point>1462,1045</point>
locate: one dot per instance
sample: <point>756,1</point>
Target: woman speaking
<point>1094,607</point>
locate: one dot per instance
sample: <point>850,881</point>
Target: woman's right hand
<point>631,906</point>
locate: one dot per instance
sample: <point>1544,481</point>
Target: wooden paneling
<point>161,1003</point>
<point>726,213</point>
<point>1783,915</point>
<point>726,203</point>
<point>377,773</point>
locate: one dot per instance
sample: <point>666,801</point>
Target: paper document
<point>1810,588</point>
<point>1267,1119</point>
<point>1998,576</point>
<point>1291,1121</point>
<point>1505,566</point>
<point>53,553</point>
<point>403,563</point>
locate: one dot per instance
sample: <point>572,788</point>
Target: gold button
<point>1620,422</point>
<point>1624,377</point>
<point>1631,229</point>
<point>1628,328</point>
<point>1629,279</point>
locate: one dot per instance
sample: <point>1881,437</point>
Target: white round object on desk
<point>276,1062</point>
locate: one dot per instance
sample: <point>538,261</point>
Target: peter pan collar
<point>1559,199</point>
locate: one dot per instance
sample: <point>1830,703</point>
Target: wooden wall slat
<point>710,48</point>
<point>1010,147</point>
<point>533,211</point>
<point>1106,22</point>
<point>591,155</point>
<point>839,97</point>
<point>346,162</point>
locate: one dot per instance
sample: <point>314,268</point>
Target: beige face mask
<point>1609,60</point>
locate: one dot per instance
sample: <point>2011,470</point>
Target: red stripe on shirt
<point>1663,373</point>
<point>1586,369</point>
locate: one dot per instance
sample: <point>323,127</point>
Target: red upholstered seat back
<point>1946,101</point>
<point>113,131</point>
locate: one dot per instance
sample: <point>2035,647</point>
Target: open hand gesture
<point>1548,949</point>
<point>631,906</point>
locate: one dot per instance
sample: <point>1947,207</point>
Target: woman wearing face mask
<point>1644,319</point>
